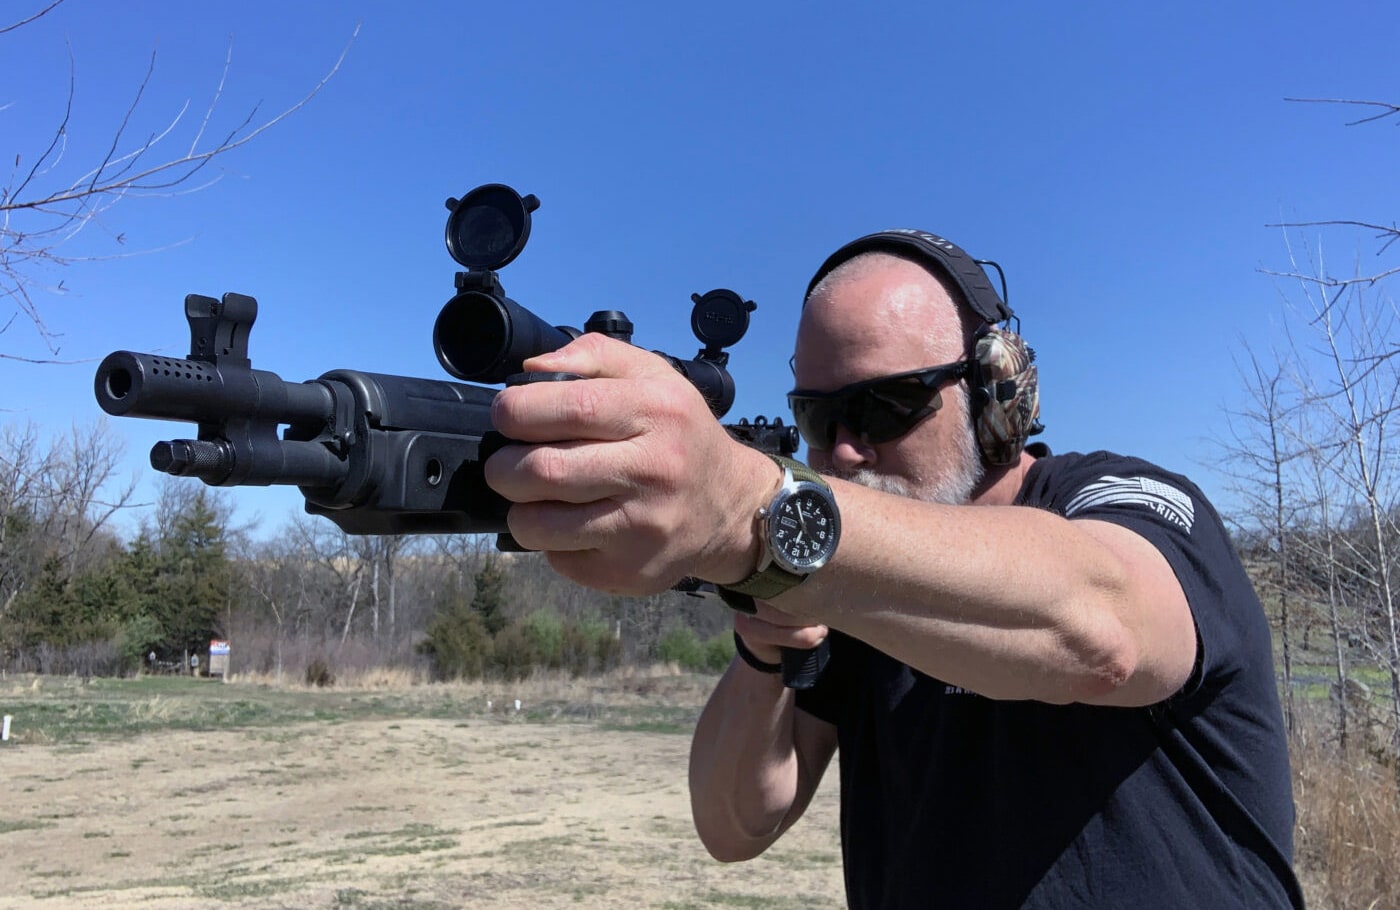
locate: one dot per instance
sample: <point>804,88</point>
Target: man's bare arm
<point>1011,602</point>
<point>755,763</point>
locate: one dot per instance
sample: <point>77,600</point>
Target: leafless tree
<point>85,499</point>
<point>1326,470</point>
<point>276,574</point>
<point>56,502</point>
<point>45,204</point>
<point>333,556</point>
<point>1259,454</point>
<point>1355,390</point>
<point>382,553</point>
<point>1313,515</point>
<point>23,464</point>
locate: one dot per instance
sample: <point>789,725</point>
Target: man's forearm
<point>744,768</point>
<point>1083,612</point>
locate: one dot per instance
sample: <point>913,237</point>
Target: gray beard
<point>955,488</point>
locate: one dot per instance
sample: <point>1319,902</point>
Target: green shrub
<point>137,637</point>
<point>589,647</point>
<point>515,652</point>
<point>318,674</point>
<point>545,631</point>
<point>719,651</point>
<point>457,645</point>
<point>681,646</point>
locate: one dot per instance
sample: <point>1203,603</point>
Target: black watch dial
<point>803,531</point>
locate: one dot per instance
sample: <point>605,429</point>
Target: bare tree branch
<point>36,222</point>
<point>1329,282</point>
<point>23,22</point>
<point>1316,273</point>
<point>99,182</point>
<point>1387,234</point>
<point>54,361</point>
<point>1387,108</point>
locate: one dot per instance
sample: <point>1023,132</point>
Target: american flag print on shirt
<point>1164,499</point>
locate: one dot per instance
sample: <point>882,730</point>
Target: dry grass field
<point>172,793</point>
<point>169,792</point>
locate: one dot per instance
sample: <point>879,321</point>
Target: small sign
<point>218,657</point>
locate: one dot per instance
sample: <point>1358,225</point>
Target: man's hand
<point>769,630</point>
<point>625,478</point>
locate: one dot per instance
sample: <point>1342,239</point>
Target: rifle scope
<point>481,335</point>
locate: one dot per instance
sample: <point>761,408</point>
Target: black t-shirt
<point>953,800</point>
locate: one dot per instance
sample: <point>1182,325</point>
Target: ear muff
<point>1004,392</point>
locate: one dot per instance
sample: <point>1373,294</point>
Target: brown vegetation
<point>1347,839</point>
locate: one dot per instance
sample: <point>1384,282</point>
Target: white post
<point>5,729</point>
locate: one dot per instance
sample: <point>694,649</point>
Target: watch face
<point>804,528</point>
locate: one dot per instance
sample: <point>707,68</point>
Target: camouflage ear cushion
<point>1005,395</point>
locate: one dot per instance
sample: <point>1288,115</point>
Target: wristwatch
<point>799,529</point>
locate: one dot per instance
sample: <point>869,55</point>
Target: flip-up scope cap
<point>489,226</point>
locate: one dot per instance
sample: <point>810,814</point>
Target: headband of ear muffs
<point>1005,392</point>
<point>946,257</point>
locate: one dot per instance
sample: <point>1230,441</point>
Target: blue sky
<point>1121,162</point>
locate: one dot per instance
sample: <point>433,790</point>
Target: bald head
<point>883,303</point>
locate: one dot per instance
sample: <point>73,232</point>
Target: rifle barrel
<point>129,384</point>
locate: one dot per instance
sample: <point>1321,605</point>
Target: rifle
<point>384,454</point>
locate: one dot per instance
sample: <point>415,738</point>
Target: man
<point>1050,681</point>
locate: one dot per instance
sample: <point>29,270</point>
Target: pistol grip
<point>801,667</point>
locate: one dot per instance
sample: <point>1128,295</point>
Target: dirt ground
<point>487,811</point>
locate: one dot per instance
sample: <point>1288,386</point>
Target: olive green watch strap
<point>769,583</point>
<point>800,470</point>
<point>773,580</point>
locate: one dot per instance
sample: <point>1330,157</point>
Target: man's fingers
<point>771,614</point>
<point>595,356</point>
<point>758,631</point>
<point>603,405</point>
<point>565,472</point>
<point>598,409</point>
<point>555,526</point>
<point>618,475</point>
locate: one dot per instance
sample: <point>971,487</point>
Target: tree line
<point>79,595</point>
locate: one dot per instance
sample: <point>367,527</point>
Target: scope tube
<point>710,378</point>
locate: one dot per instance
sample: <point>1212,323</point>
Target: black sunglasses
<point>877,410</point>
